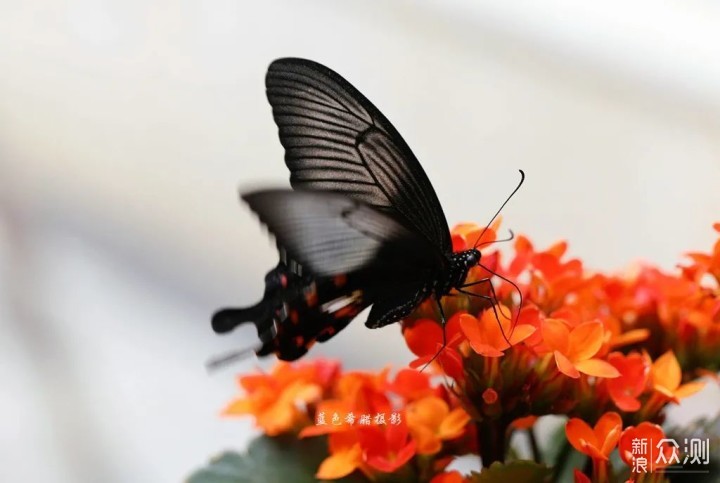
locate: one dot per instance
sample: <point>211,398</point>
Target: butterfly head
<point>471,257</point>
<point>460,264</point>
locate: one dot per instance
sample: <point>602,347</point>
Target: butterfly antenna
<point>522,179</point>
<point>511,237</point>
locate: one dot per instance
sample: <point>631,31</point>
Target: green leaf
<point>521,471</point>
<point>268,460</point>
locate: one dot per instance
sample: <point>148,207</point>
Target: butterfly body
<point>460,264</point>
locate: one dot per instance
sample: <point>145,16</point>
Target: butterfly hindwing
<point>330,234</point>
<point>311,309</point>
<point>335,139</point>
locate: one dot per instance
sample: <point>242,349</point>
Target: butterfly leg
<point>493,302</point>
<point>493,298</point>
<point>443,323</point>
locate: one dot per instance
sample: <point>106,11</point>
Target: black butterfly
<point>362,227</point>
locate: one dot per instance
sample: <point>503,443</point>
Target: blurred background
<point>127,128</point>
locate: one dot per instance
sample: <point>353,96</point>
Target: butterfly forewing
<point>336,140</point>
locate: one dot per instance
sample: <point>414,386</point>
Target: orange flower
<point>273,398</point>
<point>620,338</point>
<point>412,384</point>
<point>345,456</point>
<point>574,349</point>
<point>364,392</point>
<point>333,413</point>
<point>356,392</point>
<point>667,376</point>
<point>368,448</point>
<point>599,442</point>
<point>386,449</point>
<point>524,252</point>
<point>553,279</point>
<point>634,372</point>
<point>487,336</point>
<point>530,314</point>
<point>467,235</point>
<point>424,338</point>
<point>644,448</point>
<point>431,422</point>
<point>708,263</point>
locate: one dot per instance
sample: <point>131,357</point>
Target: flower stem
<point>491,441</point>
<point>600,471</point>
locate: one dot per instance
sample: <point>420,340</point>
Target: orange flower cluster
<point>608,351</point>
<point>374,423</point>
<point>581,343</point>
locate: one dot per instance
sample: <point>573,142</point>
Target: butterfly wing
<point>296,311</point>
<point>337,140</point>
<point>324,306</point>
<point>331,234</point>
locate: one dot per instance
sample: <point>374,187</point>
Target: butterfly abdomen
<point>281,284</point>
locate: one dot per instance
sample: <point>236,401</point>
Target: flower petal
<point>478,333</point>
<point>486,350</point>
<point>494,329</point>
<point>585,341</point>
<point>630,337</point>
<point>423,336</point>
<point>556,335</point>
<point>429,412</point>
<point>390,463</point>
<point>340,464</point>
<point>625,402</point>
<point>427,441</point>
<point>607,430</point>
<point>238,407</point>
<point>629,450</point>
<point>689,389</point>
<point>521,332</point>
<point>454,424</point>
<point>580,435</point>
<point>565,366</point>
<point>597,368</point>
<point>666,372</point>
<point>411,384</point>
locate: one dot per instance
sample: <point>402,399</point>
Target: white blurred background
<point>127,127</point>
